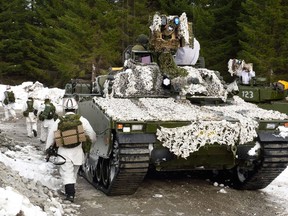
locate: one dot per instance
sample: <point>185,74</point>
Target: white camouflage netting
<point>187,139</point>
<point>184,32</point>
<point>137,80</point>
<point>146,80</point>
<point>235,66</point>
<point>208,123</point>
<point>209,83</point>
<point>153,109</point>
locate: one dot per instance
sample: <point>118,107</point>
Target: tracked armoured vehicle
<point>154,114</point>
<point>259,91</point>
<point>264,95</point>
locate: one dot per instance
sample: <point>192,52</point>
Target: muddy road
<point>167,195</point>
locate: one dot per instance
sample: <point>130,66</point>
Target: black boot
<point>70,192</point>
<point>35,133</point>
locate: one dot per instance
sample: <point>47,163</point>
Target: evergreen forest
<point>52,41</point>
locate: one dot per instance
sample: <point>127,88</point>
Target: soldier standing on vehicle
<point>246,75</point>
<point>9,104</point>
<point>30,112</point>
<point>47,116</point>
<point>70,143</point>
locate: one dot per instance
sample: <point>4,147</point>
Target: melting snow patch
<point>283,131</point>
<point>253,151</point>
<point>222,191</point>
<point>157,195</point>
<point>16,204</point>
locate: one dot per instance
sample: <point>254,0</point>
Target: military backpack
<point>71,133</point>
<point>9,97</point>
<point>49,112</point>
<point>29,108</point>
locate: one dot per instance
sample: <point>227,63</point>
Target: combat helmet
<point>70,104</point>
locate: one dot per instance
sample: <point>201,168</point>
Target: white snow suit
<point>46,124</point>
<point>31,120</point>
<point>9,109</point>
<point>246,76</point>
<point>74,156</point>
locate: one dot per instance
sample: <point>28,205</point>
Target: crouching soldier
<point>30,112</point>
<point>69,133</point>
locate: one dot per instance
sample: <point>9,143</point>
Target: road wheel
<point>98,170</point>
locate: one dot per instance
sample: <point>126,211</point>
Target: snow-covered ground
<point>31,165</point>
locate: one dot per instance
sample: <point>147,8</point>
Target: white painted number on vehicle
<point>247,94</point>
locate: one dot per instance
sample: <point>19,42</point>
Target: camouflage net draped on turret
<point>168,66</point>
<point>146,80</point>
<point>136,81</point>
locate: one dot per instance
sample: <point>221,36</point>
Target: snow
<point>12,202</point>
<point>30,164</point>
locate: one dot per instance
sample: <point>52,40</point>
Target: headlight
<point>137,127</point>
<point>126,129</point>
<point>271,126</point>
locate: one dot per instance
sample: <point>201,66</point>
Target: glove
<point>41,117</point>
<point>52,150</point>
<point>25,113</point>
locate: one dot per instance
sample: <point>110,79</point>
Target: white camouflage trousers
<point>9,111</point>
<point>31,124</point>
<point>45,127</point>
<point>68,172</point>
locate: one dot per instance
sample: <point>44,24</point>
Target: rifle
<point>53,151</point>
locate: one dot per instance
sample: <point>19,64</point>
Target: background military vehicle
<point>259,91</point>
<point>265,96</point>
<point>154,115</point>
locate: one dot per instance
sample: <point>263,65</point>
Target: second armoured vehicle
<point>154,114</point>
<point>259,91</point>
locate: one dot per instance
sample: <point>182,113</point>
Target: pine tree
<point>264,27</point>
<point>15,41</point>
<point>215,26</point>
<point>176,7</point>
